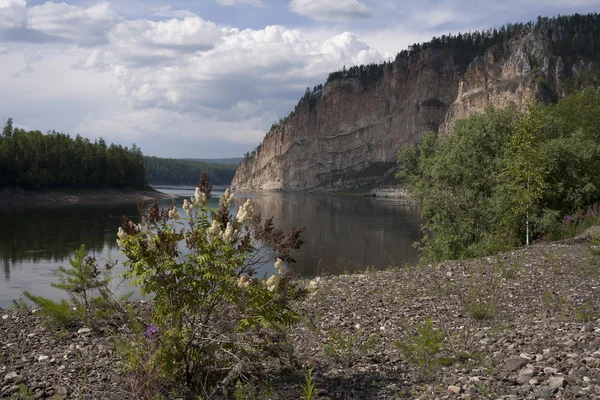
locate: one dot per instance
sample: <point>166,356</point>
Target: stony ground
<point>521,325</point>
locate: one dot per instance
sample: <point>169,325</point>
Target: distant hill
<point>181,171</point>
<point>223,161</point>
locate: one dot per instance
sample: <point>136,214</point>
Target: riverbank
<point>522,325</point>
<point>16,198</point>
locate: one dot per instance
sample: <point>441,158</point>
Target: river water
<point>342,234</point>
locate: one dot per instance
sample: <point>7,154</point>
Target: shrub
<point>309,388</point>
<point>506,176</point>
<point>90,297</point>
<point>216,320</point>
<point>585,309</point>
<point>422,350</point>
<point>576,223</point>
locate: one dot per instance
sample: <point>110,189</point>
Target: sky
<point>207,78</point>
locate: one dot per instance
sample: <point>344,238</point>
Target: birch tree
<point>525,167</point>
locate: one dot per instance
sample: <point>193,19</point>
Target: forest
<point>504,178</point>
<point>171,171</point>
<point>33,160</point>
<point>577,34</point>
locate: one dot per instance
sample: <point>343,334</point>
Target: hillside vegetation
<point>172,171</point>
<point>504,178</point>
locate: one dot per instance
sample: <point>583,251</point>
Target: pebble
<point>556,382</point>
<point>11,377</point>
<point>454,389</point>
<point>513,364</point>
<point>525,375</point>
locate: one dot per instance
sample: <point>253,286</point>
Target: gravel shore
<point>537,335</point>
<point>11,199</point>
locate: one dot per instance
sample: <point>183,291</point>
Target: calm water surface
<point>342,234</point>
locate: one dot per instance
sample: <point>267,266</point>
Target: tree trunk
<point>527,228</point>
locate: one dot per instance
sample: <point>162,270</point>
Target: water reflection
<point>342,234</point>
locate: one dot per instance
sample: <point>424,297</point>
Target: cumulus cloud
<point>180,76</point>
<point>87,26</point>
<point>256,3</point>
<point>181,85</point>
<point>29,59</point>
<point>144,42</point>
<point>55,22</point>
<point>12,14</point>
<point>168,12</point>
<point>244,66</point>
<point>331,10</point>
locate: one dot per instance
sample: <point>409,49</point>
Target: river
<point>343,234</point>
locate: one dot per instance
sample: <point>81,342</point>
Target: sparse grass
<point>346,348</point>
<point>507,270</point>
<point>20,306</point>
<point>586,309</point>
<point>422,350</point>
<point>554,303</point>
<point>24,393</point>
<point>479,295</point>
<point>484,391</point>
<point>248,391</point>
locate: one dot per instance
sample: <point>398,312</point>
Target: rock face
<point>350,135</point>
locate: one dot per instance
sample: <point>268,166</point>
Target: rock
<point>525,375</point>
<point>5,317</point>
<point>587,328</point>
<point>556,382</point>
<point>513,364</point>
<point>43,358</point>
<point>454,389</point>
<point>533,382</point>
<point>544,392</point>
<point>525,357</point>
<point>550,371</point>
<point>83,331</point>
<point>393,388</point>
<point>363,128</point>
<point>11,377</point>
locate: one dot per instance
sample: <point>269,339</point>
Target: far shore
<point>17,198</point>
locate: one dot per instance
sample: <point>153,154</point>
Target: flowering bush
<point>586,309</point>
<point>574,224</point>
<point>213,319</point>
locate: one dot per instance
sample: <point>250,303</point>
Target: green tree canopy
<point>503,177</point>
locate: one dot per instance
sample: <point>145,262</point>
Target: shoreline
<point>19,199</point>
<point>534,344</point>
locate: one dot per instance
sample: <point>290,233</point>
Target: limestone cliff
<point>349,136</point>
